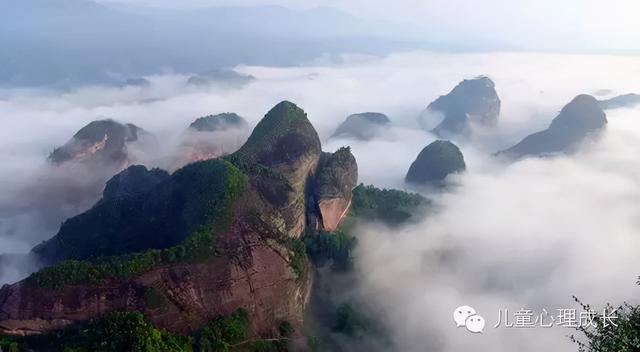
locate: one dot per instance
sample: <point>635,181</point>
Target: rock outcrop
<point>102,142</point>
<point>335,180</point>
<point>579,119</point>
<point>434,163</point>
<point>621,101</point>
<point>213,237</point>
<point>471,102</point>
<point>364,126</point>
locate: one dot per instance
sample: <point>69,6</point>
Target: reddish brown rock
<point>332,211</point>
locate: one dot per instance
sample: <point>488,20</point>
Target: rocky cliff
<point>213,237</point>
<point>472,101</point>
<point>579,119</point>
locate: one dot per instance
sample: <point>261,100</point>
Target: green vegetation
<point>231,333</point>
<point>336,246</point>
<point>435,162</point>
<point>619,334</point>
<point>114,332</point>
<point>224,333</point>
<point>131,332</point>
<point>390,206</point>
<point>338,174</point>
<point>250,167</point>
<point>276,122</point>
<point>299,257</point>
<point>7,344</point>
<point>218,122</point>
<point>351,322</point>
<point>199,246</point>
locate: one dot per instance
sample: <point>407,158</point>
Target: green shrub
<point>299,257</point>
<point>390,206</point>
<point>114,332</point>
<point>221,334</point>
<point>336,246</point>
<point>620,334</point>
<point>8,344</point>
<point>350,321</point>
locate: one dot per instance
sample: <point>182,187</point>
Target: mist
<point>528,234</point>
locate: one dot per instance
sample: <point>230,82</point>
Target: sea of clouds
<point>527,234</point>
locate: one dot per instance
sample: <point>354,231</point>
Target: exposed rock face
<point>336,178</point>
<point>434,163</point>
<point>577,120</point>
<point>364,126</point>
<point>219,122</point>
<point>101,142</point>
<point>621,101</point>
<point>253,203</point>
<point>473,101</point>
<point>286,142</point>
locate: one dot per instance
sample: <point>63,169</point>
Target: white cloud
<point>530,234</point>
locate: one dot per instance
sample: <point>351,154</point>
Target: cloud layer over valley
<point>528,234</point>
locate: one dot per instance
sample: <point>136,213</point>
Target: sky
<point>568,25</point>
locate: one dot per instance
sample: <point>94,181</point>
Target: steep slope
<point>434,163</point>
<point>364,126</point>
<point>472,101</point>
<point>579,119</point>
<point>214,237</point>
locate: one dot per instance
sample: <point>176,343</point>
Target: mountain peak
<point>577,120</point>
<point>363,126</point>
<point>435,162</point>
<point>471,101</point>
<point>283,136</point>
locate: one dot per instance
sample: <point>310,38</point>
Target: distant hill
<point>577,120</point>
<point>621,101</point>
<point>363,126</point>
<point>472,101</point>
<point>434,163</point>
<point>71,42</point>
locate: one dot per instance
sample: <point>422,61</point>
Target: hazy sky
<point>542,24</point>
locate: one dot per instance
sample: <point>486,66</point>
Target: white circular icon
<point>461,314</point>
<point>475,323</point>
